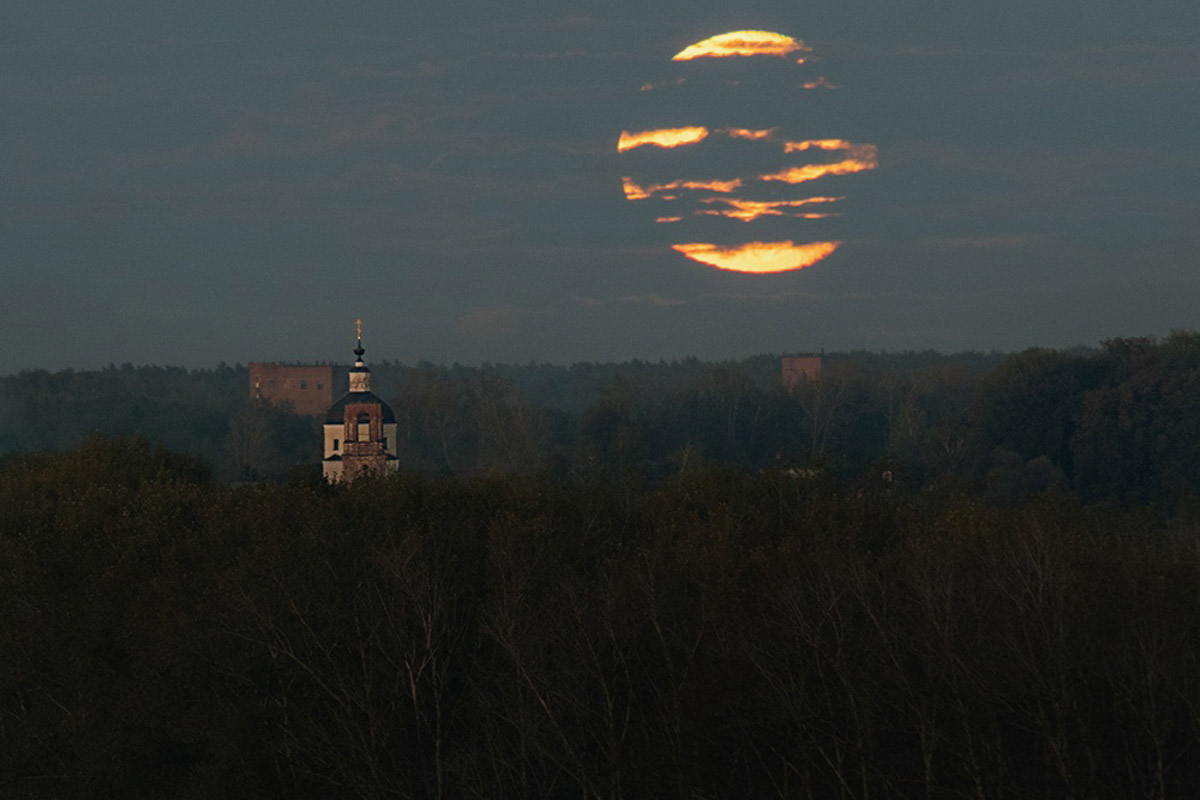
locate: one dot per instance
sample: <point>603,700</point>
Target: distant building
<point>360,429</point>
<point>798,368</point>
<point>308,388</point>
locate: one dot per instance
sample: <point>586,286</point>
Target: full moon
<point>726,162</point>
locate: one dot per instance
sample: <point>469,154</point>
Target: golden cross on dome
<point>358,325</point>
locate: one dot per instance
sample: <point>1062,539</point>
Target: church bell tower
<point>360,429</point>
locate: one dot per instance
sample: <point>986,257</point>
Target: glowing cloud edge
<point>661,137</point>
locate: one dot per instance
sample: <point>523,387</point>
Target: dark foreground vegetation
<point>715,633</point>
<point>916,576</point>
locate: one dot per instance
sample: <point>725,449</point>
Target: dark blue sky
<point>188,184</point>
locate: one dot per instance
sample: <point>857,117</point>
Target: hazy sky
<point>189,183</point>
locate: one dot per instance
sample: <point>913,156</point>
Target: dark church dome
<point>337,411</point>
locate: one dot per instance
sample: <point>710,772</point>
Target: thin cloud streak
<point>750,210</point>
<point>746,133</point>
<point>820,83</point>
<point>662,137</point>
<point>811,172</point>
<point>634,191</point>
<point>506,319</point>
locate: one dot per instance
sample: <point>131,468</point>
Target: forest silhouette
<point>915,576</point>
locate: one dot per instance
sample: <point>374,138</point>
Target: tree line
<point>1113,424</point>
<point>717,632</point>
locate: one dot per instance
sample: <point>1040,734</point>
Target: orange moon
<point>713,175</point>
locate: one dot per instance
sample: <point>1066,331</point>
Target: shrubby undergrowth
<point>717,632</point>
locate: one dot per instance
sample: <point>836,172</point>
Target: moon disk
<point>739,175</point>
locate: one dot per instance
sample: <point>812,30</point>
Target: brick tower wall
<point>361,454</point>
<point>308,388</point>
<point>798,368</point>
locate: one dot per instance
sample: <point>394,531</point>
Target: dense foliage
<point>914,576</point>
<point>651,418</point>
<point>715,633</point>
<point>1117,424</point>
